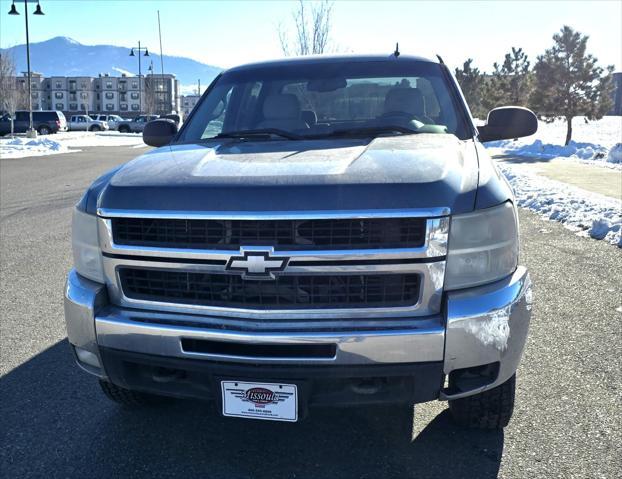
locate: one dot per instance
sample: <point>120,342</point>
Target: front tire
<point>130,399</point>
<point>95,128</point>
<point>491,409</point>
<point>44,130</point>
<point>124,129</point>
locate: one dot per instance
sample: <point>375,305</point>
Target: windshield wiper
<point>260,132</point>
<point>369,131</point>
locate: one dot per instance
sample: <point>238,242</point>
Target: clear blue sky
<point>229,33</point>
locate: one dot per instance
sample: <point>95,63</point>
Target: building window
<point>109,95</point>
<point>34,86</point>
<point>135,106</point>
<point>109,84</point>
<point>60,106</point>
<point>58,85</point>
<point>123,106</point>
<point>72,85</point>
<point>134,96</point>
<point>122,85</point>
<point>35,94</point>
<point>58,95</point>
<point>122,96</point>
<point>135,85</point>
<point>109,106</point>
<point>73,106</point>
<point>83,85</point>
<point>84,95</point>
<point>72,97</point>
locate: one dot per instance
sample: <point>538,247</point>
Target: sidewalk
<point>605,181</point>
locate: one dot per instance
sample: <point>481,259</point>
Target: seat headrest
<point>281,107</point>
<point>407,100</point>
<point>309,117</point>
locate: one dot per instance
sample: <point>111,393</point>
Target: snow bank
<point>21,147</point>
<point>588,214</point>
<point>595,142</point>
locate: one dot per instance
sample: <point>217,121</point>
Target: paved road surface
<point>56,423</point>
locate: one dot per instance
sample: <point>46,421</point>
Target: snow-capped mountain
<point>66,57</point>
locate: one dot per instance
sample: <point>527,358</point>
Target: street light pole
<point>146,50</point>
<point>31,133</point>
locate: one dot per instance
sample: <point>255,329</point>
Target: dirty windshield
<point>328,99</point>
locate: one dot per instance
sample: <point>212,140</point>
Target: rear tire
<point>44,130</point>
<point>124,129</point>
<point>490,409</point>
<point>130,399</point>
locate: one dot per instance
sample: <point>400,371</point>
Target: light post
<point>31,133</point>
<point>139,49</point>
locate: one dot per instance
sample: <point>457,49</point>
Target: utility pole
<point>199,89</point>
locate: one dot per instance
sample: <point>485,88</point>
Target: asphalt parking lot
<point>56,423</point>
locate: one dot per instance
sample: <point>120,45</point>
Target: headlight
<point>87,256</point>
<point>483,247</point>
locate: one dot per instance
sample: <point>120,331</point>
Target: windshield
<point>315,100</point>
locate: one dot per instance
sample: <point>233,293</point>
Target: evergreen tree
<point>510,83</point>
<point>568,81</point>
<point>471,82</point>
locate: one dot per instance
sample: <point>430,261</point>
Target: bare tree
<point>10,95</point>
<point>312,29</point>
<point>150,95</point>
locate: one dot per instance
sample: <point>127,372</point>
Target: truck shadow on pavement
<point>57,423</point>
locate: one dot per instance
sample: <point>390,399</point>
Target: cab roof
<point>328,59</point>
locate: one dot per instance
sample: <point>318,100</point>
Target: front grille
<point>324,234</point>
<point>285,292</point>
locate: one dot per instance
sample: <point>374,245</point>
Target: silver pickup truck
<point>86,123</point>
<point>321,231</point>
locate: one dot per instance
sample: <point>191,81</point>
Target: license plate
<point>269,401</point>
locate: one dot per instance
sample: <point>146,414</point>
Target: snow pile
<point>615,154</point>
<point>588,214</point>
<point>21,147</point>
<point>595,142</point>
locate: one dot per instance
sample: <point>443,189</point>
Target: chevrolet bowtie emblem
<point>257,263</point>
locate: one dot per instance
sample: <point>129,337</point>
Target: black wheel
<point>132,399</point>
<point>124,129</point>
<point>490,409</point>
<point>95,128</point>
<point>44,130</point>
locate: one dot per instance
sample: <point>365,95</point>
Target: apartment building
<point>187,103</point>
<point>124,95</point>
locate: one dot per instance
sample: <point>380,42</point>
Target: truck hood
<point>416,171</point>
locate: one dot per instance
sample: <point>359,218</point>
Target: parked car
<point>44,121</point>
<point>270,258</point>
<point>112,120</point>
<point>136,125</point>
<point>174,117</point>
<point>86,123</point>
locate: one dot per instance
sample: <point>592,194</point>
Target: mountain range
<point>64,56</point>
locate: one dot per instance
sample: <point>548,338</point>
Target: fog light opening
<point>88,358</point>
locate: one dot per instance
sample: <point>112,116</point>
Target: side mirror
<point>508,122</point>
<point>159,132</point>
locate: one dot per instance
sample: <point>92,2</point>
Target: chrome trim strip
<point>275,215</point>
<point>435,246</point>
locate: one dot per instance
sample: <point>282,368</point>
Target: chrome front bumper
<point>480,325</point>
